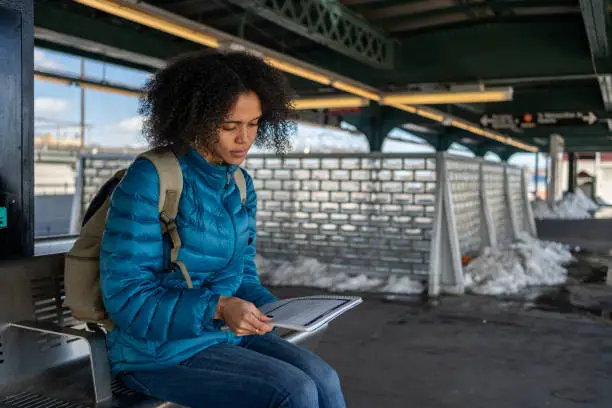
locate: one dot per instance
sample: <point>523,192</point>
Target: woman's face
<point>238,132</point>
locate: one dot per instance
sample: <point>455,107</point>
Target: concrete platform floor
<point>468,352</point>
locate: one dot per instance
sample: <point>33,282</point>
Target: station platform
<point>474,352</point>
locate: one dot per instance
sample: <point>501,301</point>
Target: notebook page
<point>302,312</point>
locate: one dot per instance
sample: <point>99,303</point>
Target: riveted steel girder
<point>330,23</point>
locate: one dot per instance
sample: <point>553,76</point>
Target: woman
<point>209,108</point>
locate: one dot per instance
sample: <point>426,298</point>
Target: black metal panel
<point>16,127</point>
<point>571,177</point>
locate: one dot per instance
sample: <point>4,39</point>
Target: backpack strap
<point>241,184</point>
<point>170,190</point>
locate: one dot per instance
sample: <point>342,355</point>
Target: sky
<point>113,119</point>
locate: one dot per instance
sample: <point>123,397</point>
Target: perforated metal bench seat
<point>48,360</point>
<point>72,384</point>
<point>69,386</point>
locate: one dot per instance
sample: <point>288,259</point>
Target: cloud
<point>50,107</point>
<point>129,125</point>
<point>126,132</point>
<point>42,60</point>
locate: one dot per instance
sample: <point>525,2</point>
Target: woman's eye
<point>253,124</point>
<point>230,128</point>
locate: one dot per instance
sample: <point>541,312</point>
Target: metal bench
<point>50,360</point>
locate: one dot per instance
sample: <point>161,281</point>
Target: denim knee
<point>329,378</point>
<point>301,391</point>
<point>327,382</point>
<point>324,376</point>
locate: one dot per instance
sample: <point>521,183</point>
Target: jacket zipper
<point>228,177</point>
<point>229,333</point>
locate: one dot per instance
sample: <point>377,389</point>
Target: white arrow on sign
<point>498,121</point>
<point>590,118</point>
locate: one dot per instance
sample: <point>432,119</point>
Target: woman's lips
<point>239,153</point>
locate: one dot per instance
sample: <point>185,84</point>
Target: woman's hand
<point>242,317</point>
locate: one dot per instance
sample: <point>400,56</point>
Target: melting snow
<point>573,206</point>
<point>528,262</point>
<point>309,272</point>
<point>497,271</point>
<point>403,284</point>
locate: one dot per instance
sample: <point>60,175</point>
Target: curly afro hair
<point>188,100</point>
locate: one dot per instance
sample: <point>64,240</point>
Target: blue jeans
<point>263,371</point>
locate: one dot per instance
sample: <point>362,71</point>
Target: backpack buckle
<point>165,218</point>
<point>168,226</point>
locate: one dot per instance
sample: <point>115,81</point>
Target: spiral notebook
<point>308,313</point>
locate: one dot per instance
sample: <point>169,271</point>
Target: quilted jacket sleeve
<point>251,288</point>
<point>131,256</point>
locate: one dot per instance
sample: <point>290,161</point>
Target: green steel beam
<point>95,50</point>
<point>519,49</point>
<point>595,17</point>
<point>130,37</point>
<point>605,86</point>
<point>427,15</point>
<point>102,32</point>
<point>330,23</point>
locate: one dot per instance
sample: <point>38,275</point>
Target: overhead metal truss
<point>330,23</point>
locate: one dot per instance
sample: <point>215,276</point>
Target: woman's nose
<point>241,136</point>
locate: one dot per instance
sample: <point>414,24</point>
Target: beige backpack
<point>82,262</point>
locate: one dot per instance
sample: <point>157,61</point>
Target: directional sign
<point>532,120</point>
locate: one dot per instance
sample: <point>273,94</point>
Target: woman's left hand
<point>243,317</point>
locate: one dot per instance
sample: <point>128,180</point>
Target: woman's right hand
<point>242,317</point>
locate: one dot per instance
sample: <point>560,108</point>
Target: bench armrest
<point>98,357</point>
<point>300,338</point>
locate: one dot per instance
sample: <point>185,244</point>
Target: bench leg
<point>98,357</point>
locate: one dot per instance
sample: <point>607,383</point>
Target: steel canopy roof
<point>554,53</point>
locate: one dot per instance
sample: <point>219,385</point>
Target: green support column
<point>481,151</point>
<point>16,129</point>
<point>447,137</point>
<point>444,143</point>
<point>375,134</point>
<point>376,125</point>
<point>505,155</point>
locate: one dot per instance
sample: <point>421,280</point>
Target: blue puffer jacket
<point>159,321</point>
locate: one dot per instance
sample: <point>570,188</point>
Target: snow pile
<point>528,262</point>
<point>573,206</point>
<point>541,210</point>
<point>404,284</point>
<point>309,272</point>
